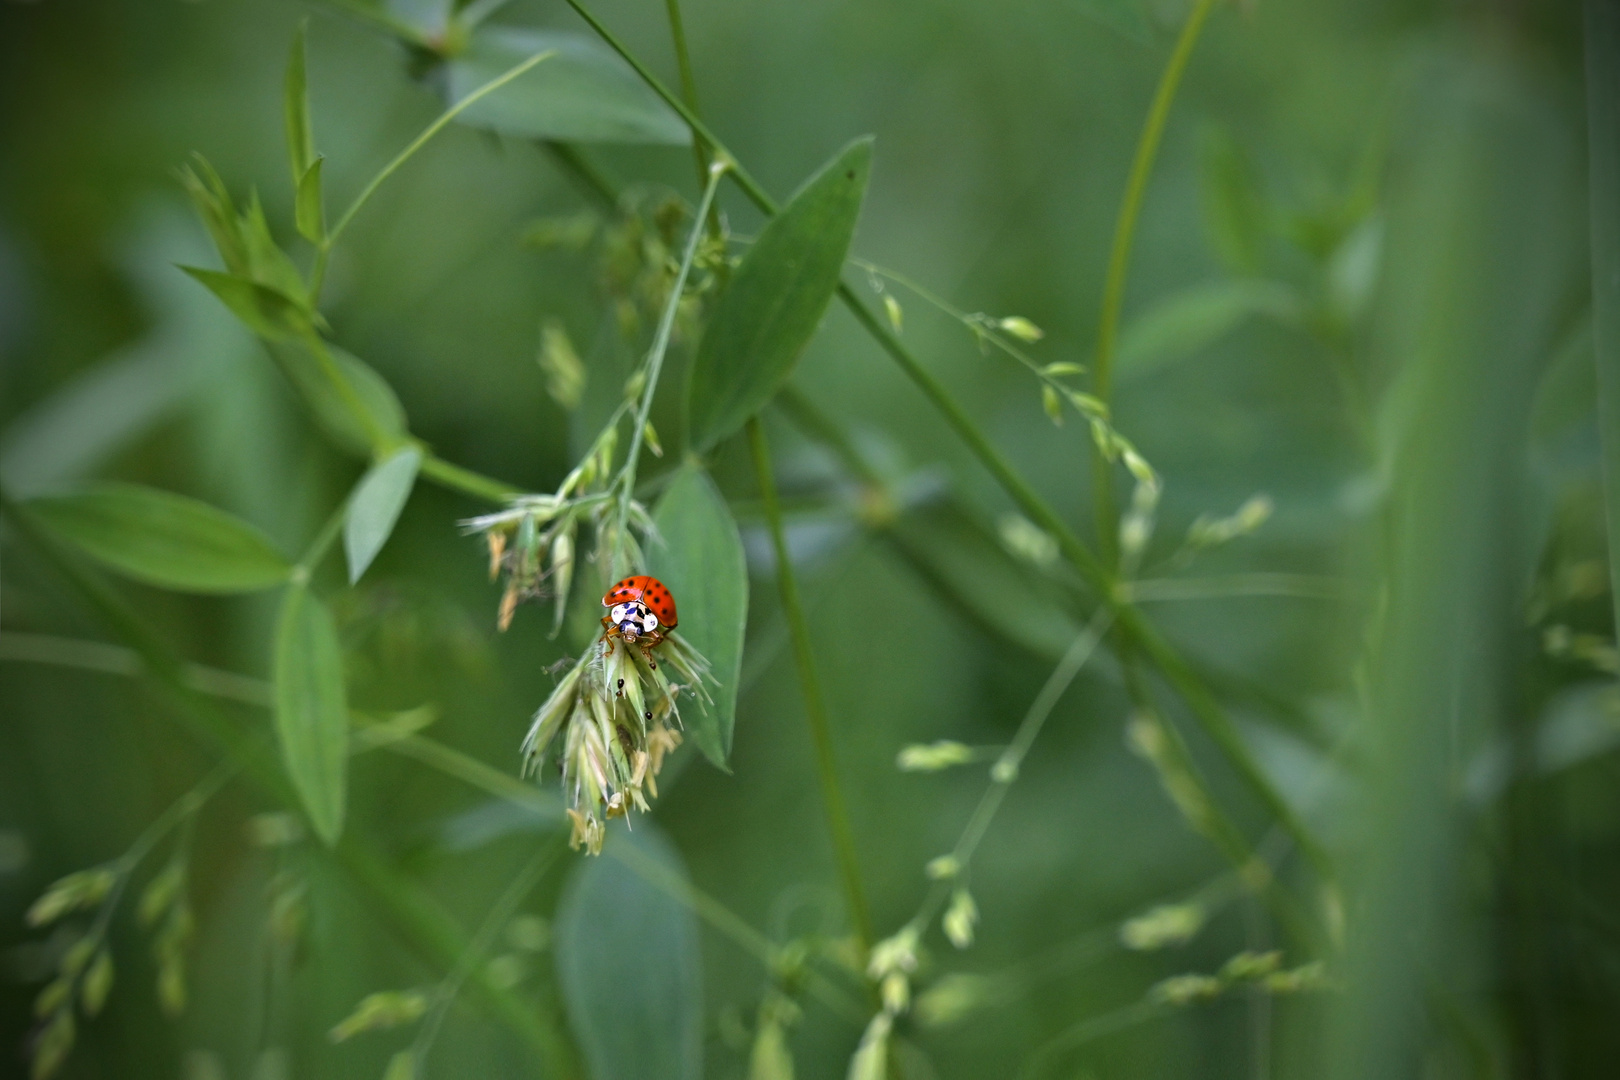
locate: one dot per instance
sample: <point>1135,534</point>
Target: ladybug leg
<point>652,639</point>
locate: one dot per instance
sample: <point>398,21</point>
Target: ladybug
<point>640,610</point>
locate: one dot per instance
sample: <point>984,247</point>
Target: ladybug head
<point>633,619</point>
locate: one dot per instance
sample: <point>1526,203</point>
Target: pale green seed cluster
<point>617,716</point>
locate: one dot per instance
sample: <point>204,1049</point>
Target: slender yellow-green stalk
<point>815,708</point>
<point>1119,261</point>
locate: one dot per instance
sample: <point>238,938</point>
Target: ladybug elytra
<point>639,607</point>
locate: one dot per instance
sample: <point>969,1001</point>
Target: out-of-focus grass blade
<point>312,712</point>
<point>1482,248</point>
<point>702,562</point>
<point>1603,156</point>
<point>300,135</point>
<point>1183,323</point>
<point>378,499</point>
<point>776,298</point>
<point>1234,212</point>
<point>628,963</point>
<point>584,93</point>
<point>310,208</point>
<point>164,539</point>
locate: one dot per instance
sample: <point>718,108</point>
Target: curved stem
<point>815,708</point>
<point>1119,260</point>
<point>1147,148</point>
<point>319,273</point>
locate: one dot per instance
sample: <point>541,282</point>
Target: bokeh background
<point>1363,254</point>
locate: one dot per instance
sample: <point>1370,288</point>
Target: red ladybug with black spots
<point>640,610</point>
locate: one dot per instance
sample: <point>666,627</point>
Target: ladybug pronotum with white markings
<point>640,610</point>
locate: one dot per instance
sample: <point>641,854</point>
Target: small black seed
<point>649,716</point>
<point>621,684</point>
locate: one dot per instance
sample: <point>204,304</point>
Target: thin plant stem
<point>1008,763</point>
<point>815,709</point>
<point>500,913</point>
<point>590,177</point>
<point>318,275</point>
<point>1119,260</point>
<point>1093,1027</point>
<point>655,357</point>
<point>683,62</point>
<point>466,481</point>
<point>318,547</point>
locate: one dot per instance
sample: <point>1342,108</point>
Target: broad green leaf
<point>1234,213</point>
<point>343,417</point>
<point>628,963</point>
<point>701,560</point>
<point>269,313</point>
<point>163,539</point>
<point>312,712</point>
<point>376,504</point>
<point>776,298</point>
<point>1127,17</point>
<point>1603,163</point>
<point>300,136</point>
<point>310,209</point>
<point>1180,325</point>
<point>584,93</point>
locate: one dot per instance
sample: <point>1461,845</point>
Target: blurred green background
<point>1363,256</point>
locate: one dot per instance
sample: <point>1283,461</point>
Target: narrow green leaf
<point>269,313</point>
<point>584,93</point>
<point>1183,323</point>
<point>776,298</point>
<point>334,410</point>
<point>312,713</point>
<point>300,136</point>
<point>1234,213</point>
<point>310,209</point>
<point>1603,140</point>
<point>377,501</point>
<point>628,963</point>
<point>163,539</point>
<point>701,560</point>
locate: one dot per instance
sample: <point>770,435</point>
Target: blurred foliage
<point>1355,392</point>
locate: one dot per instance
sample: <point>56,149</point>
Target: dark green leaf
<point>1183,323</point>
<point>628,964</point>
<point>300,137</point>
<point>351,417</point>
<point>164,539</point>
<point>775,300</point>
<point>584,93</point>
<point>376,504</point>
<point>268,312</point>
<point>701,560</point>
<point>1234,213</point>
<point>311,213</point>
<point>312,713</point>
